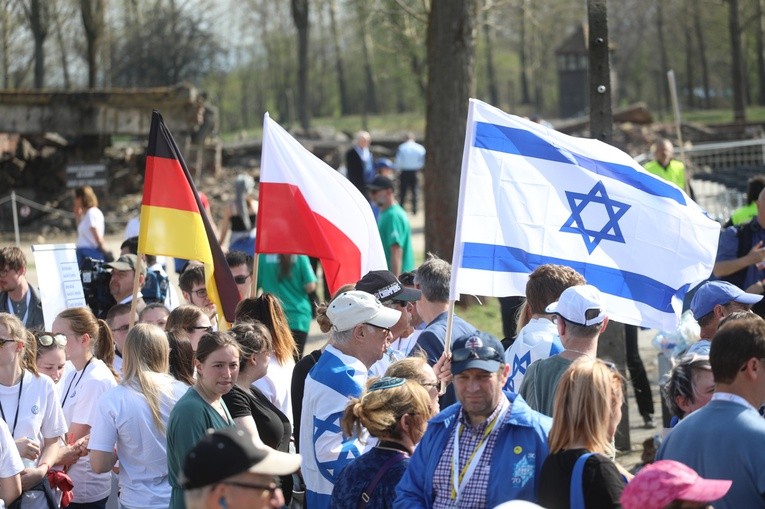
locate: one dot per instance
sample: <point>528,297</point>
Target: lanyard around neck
<point>63,401</point>
<point>26,312</point>
<point>18,404</point>
<point>459,482</point>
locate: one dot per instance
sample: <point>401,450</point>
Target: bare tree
<point>759,23</point>
<point>700,40</point>
<point>690,85</point>
<point>451,42</point>
<point>523,52</point>
<point>662,87</point>
<point>93,21</point>
<point>737,63</point>
<point>300,17</point>
<point>38,16</point>
<point>488,39</point>
<point>62,47</point>
<point>369,102</point>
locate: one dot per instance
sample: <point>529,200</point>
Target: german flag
<point>173,222</point>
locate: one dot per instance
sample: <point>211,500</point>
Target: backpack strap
<point>576,493</point>
<point>365,495</point>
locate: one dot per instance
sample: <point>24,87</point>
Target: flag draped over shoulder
<point>530,195</point>
<point>306,207</point>
<point>173,221</point>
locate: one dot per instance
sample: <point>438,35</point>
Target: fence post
<point>15,218</point>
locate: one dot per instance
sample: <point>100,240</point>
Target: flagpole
<point>678,119</point>
<point>254,282</point>
<point>136,276</point>
<point>448,340</point>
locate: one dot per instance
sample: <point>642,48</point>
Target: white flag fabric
<point>306,207</point>
<point>530,195</point>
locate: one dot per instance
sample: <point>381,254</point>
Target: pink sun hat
<point>663,482</point>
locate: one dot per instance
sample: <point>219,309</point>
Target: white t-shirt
<point>81,391</point>
<point>117,363</point>
<point>124,419</point>
<point>93,217</point>
<point>39,417</point>
<point>276,385</point>
<point>10,461</point>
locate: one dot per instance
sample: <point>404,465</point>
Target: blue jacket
<point>522,444</point>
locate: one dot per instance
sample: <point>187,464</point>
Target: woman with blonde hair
<point>51,355</point>
<point>90,225</point>
<point>396,412</point>
<point>416,368</point>
<point>30,407</point>
<point>202,406</point>
<point>587,409</point>
<point>90,348</point>
<point>267,310</point>
<point>131,418</point>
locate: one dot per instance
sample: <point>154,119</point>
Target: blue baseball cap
<point>713,293</point>
<point>478,350</point>
<point>383,163</point>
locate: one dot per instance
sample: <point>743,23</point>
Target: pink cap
<point>663,482</point>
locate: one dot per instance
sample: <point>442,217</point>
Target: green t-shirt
<point>541,380</point>
<point>189,421</point>
<point>289,290</point>
<point>674,172</point>
<point>394,229</point>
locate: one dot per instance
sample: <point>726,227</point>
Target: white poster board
<point>58,277</point>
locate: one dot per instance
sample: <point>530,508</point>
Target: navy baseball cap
<point>478,350</point>
<point>713,293</point>
<point>386,287</point>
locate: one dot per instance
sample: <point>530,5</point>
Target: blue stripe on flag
<point>525,143</point>
<point>620,283</point>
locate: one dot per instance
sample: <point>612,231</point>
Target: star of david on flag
<point>530,195</point>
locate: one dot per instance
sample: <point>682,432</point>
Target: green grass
<point>715,116</point>
<point>485,316</point>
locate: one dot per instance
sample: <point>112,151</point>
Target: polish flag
<point>306,207</point>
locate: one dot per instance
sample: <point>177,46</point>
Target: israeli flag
<point>530,195</point>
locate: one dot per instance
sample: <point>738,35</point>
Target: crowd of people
<point>407,405</point>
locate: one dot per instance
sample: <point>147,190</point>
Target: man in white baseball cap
<point>581,319</point>
<point>359,337</point>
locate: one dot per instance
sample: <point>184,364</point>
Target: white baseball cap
<point>352,308</point>
<point>574,303</point>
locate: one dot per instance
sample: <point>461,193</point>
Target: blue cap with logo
<point>712,293</point>
<point>479,350</point>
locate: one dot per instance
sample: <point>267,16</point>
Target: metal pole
<point>15,218</point>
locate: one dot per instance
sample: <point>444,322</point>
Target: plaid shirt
<point>473,494</point>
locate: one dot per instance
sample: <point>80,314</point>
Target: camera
<point>95,286</point>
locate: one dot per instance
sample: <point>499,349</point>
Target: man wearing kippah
<point>486,449</point>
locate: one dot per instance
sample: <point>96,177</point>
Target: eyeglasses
<point>485,353</point>
<point>387,331</point>
<point>4,272</point>
<point>208,328</point>
<point>3,341</point>
<point>240,280</point>
<point>124,328</point>
<point>47,340</point>
<point>432,386</point>
<point>200,292</point>
<point>271,488</point>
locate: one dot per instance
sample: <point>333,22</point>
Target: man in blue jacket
<point>484,450</point>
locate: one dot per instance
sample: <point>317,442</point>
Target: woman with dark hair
<point>131,419</point>
<point>90,348</point>
<point>292,279</point>
<point>181,358</point>
<point>30,407</point>
<point>587,409</point>
<point>267,310</point>
<point>189,322</point>
<point>202,407</point>
<point>90,225</point>
<point>251,410</point>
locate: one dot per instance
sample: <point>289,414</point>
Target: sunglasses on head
<point>47,339</point>
<point>484,353</point>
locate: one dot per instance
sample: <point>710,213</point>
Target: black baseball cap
<point>386,287</point>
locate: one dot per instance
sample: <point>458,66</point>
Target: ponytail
<point>29,358</point>
<point>104,347</point>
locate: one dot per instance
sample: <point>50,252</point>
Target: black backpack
<point>155,287</point>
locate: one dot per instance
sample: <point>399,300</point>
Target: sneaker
<point>648,422</point>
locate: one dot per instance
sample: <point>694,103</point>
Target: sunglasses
<point>48,340</point>
<point>271,488</point>
<point>208,328</point>
<point>240,280</point>
<point>387,330</point>
<point>485,353</point>
<point>3,341</point>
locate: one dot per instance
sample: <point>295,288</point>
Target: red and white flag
<point>306,207</point>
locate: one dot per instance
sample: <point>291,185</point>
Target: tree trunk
<point>689,77</point>
<point>37,15</point>
<point>737,64</point>
<point>63,51</point>
<point>451,40</point>
<point>491,78</point>
<point>702,53</point>
<point>523,54</point>
<point>6,25</point>
<point>370,94</point>
<point>663,60</point>
<point>93,22</point>
<point>345,108</point>
<point>300,18</point>
<point>759,35</point>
